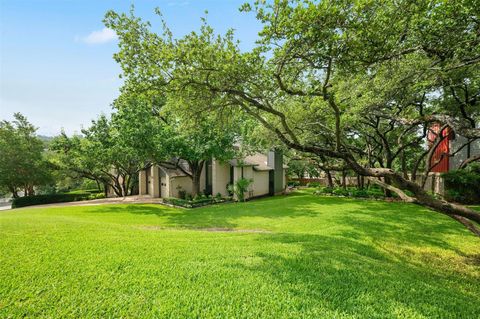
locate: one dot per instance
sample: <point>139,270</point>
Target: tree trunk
<point>404,165</point>
<point>124,186</point>
<point>31,190</point>
<point>105,189</point>
<point>14,192</point>
<point>344,179</point>
<point>196,168</point>
<point>460,213</point>
<point>388,193</point>
<point>329,178</point>
<point>117,188</point>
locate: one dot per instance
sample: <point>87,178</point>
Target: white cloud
<point>97,37</point>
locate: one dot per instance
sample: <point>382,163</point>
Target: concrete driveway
<point>5,205</point>
<point>135,199</point>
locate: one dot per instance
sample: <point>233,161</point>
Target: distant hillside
<point>45,139</point>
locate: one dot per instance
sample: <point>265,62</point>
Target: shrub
<point>182,193</point>
<point>463,185</point>
<point>192,203</point>
<point>230,189</point>
<point>314,184</point>
<point>96,196</point>
<point>361,193</point>
<point>46,190</point>
<point>48,199</point>
<point>241,187</point>
<point>340,192</point>
<point>375,193</point>
<point>85,191</point>
<point>293,183</point>
<point>353,192</point>
<point>326,190</point>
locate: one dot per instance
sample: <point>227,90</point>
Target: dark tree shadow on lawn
<point>356,269</point>
<point>345,275</point>
<point>220,215</point>
<point>397,222</point>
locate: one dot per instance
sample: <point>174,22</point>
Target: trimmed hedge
<point>193,203</point>
<point>52,198</point>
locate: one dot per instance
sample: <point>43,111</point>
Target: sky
<point>56,64</point>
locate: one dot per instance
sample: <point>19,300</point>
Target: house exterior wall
<point>462,155</point>
<point>247,172</point>
<point>156,183</point>
<point>237,174</point>
<point>142,182</point>
<point>164,184</point>
<point>434,183</point>
<point>260,183</point>
<point>203,179</point>
<point>184,182</point>
<point>220,177</point>
<point>439,162</point>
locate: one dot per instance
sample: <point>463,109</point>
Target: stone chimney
<point>275,161</point>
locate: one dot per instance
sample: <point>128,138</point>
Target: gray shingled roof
<point>257,160</point>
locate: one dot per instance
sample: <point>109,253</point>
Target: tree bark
<point>469,160</point>
<point>196,168</point>
<point>329,178</point>
<point>14,192</point>
<point>105,189</point>
<point>344,179</point>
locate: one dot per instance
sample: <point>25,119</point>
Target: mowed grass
<point>296,256</point>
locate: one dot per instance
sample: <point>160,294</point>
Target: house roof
<point>176,172</point>
<point>258,161</point>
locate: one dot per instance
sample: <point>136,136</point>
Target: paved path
<point>136,199</point>
<point>5,205</point>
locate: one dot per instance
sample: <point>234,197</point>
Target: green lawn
<point>298,256</point>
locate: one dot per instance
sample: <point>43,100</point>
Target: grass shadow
<point>348,277</point>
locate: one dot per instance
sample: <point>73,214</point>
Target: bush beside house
<point>463,185</point>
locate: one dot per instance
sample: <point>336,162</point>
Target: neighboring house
<point>266,171</point>
<point>452,150</point>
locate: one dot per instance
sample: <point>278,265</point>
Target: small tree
<point>111,151</point>
<point>22,162</point>
<point>194,140</point>
<point>241,187</point>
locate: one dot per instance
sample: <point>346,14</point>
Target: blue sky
<point>56,63</point>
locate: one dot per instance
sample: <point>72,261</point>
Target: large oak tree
<point>356,81</point>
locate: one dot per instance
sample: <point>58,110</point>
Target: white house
<point>266,171</point>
